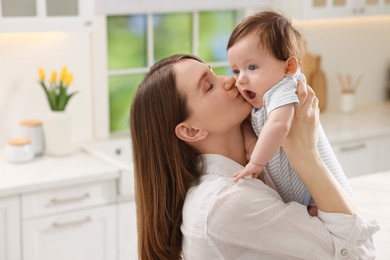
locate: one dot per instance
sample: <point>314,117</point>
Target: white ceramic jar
<point>32,129</point>
<point>19,150</point>
<point>347,102</point>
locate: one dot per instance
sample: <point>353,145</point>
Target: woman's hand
<point>301,149</point>
<point>301,142</point>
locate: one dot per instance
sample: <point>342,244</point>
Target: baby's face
<point>255,69</point>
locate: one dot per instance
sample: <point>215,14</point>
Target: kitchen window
<point>135,42</point>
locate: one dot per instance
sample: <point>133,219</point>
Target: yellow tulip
<point>68,79</point>
<point>64,72</point>
<point>41,73</point>
<point>53,78</point>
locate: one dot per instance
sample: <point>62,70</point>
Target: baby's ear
<point>291,66</point>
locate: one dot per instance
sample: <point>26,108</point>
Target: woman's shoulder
<point>215,193</point>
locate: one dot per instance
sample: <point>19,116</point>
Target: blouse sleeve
<point>251,215</point>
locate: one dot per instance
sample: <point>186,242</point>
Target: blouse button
<point>344,252</point>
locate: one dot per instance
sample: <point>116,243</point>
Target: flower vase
<point>58,133</point>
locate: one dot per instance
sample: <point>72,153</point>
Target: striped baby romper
<point>287,182</point>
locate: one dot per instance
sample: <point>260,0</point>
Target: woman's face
<point>212,108</point>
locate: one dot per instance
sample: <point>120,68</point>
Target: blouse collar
<point>221,165</point>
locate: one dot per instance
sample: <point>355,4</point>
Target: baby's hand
<point>251,169</point>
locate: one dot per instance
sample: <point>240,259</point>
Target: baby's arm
<point>270,139</point>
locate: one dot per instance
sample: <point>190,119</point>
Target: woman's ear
<point>189,134</point>
<point>291,66</point>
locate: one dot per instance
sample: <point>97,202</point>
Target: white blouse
<point>249,220</point>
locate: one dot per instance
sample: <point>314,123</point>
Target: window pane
<point>172,34</point>
<point>122,90</point>
<point>223,71</point>
<point>214,33</point>
<point>126,42</point>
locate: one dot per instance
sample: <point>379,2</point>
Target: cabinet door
<point>45,15</point>
<point>127,231</point>
<point>81,235</point>
<point>358,157</point>
<point>10,229</point>
<point>314,9</point>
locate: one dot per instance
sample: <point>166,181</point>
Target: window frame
<point>101,72</point>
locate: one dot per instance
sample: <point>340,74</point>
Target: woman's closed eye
<point>209,87</point>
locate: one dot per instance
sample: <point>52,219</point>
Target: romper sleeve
<point>251,216</point>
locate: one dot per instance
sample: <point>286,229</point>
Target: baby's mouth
<point>250,95</point>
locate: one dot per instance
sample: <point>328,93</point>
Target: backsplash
<point>355,46</point>
<point>21,96</point>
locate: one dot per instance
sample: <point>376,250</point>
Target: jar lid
<point>31,123</point>
<point>19,141</point>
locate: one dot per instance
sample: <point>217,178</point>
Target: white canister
<point>32,129</point>
<point>19,150</point>
<point>348,102</point>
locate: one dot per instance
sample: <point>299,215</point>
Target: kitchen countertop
<point>367,121</point>
<point>370,120</point>
<point>372,194</point>
<point>48,172</point>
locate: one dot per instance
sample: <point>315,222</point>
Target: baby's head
<point>274,31</point>
<point>263,49</point>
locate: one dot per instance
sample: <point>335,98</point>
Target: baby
<point>264,53</point>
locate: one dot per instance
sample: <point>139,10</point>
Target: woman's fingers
<point>301,92</point>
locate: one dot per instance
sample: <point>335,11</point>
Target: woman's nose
<point>229,83</point>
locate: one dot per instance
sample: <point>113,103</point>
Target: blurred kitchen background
<point>109,44</point>
<point>109,50</point>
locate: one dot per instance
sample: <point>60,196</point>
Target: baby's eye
<point>236,72</point>
<point>252,67</point>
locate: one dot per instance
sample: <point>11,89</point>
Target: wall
<point>355,46</point>
<point>21,97</point>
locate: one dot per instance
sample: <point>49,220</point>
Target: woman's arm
<point>301,150</point>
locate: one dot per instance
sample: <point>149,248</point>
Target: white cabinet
<point>46,15</point>
<point>127,231</point>
<point>358,157</point>
<point>113,7</point>
<point>314,9</point>
<point>82,235</point>
<point>77,223</point>
<point>10,247</point>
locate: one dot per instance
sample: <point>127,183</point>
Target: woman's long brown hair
<point>164,166</point>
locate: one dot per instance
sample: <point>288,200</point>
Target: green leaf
<point>66,100</point>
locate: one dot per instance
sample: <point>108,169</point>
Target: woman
<point>187,142</point>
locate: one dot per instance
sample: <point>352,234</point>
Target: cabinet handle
<point>353,147</point>
<point>55,201</point>
<point>71,223</point>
